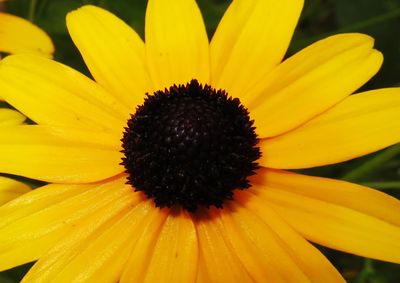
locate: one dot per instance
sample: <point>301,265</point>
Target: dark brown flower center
<point>190,145</point>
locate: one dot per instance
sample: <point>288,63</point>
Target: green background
<point>320,18</point>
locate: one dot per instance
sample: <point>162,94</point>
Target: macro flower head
<point>170,165</point>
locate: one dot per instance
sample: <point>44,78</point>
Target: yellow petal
<point>310,260</point>
<point>312,81</point>
<point>108,251</point>
<point>37,199</point>
<point>218,261</point>
<point>10,189</point>
<point>361,124</point>
<point>39,153</point>
<point>335,214</point>
<point>18,35</point>
<point>53,94</point>
<point>113,52</point>
<point>139,259</point>
<point>10,117</point>
<point>28,236</point>
<point>262,254</point>
<point>88,234</point>
<point>202,276</point>
<point>250,41</point>
<point>176,247</point>
<point>40,134</point>
<point>176,43</point>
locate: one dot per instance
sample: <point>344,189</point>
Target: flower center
<point>191,146</point>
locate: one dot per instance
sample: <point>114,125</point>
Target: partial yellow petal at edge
<point>18,35</point>
<point>27,232</point>
<point>51,155</point>
<point>333,213</point>
<point>50,93</point>
<point>359,125</point>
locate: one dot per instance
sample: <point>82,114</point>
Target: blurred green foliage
<point>320,18</point>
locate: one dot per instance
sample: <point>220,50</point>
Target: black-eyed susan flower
<point>180,185</point>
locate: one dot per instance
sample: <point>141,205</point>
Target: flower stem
<point>32,10</point>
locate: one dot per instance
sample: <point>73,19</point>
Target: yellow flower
<point>182,144</point>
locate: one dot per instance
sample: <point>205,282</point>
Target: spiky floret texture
<point>190,145</point>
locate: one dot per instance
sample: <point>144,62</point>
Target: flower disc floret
<point>190,145</point>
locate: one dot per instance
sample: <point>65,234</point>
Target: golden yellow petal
<point>108,251</point>
<point>312,81</point>
<point>38,199</point>
<point>310,260</point>
<point>113,52</point>
<point>25,237</point>
<point>218,261</point>
<point>361,124</point>
<point>75,245</point>
<point>202,275</point>
<point>262,253</point>
<point>42,134</point>
<point>337,192</point>
<point>135,269</point>
<point>53,94</point>
<point>18,35</point>
<point>335,214</point>
<point>176,248</point>
<point>39,153</point>
<point>10,117</point>
<point>10,189</point>
<point>250,41</point>
<point>176,43</point>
